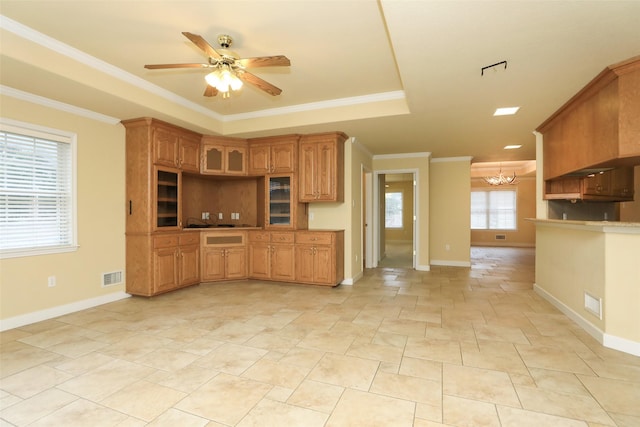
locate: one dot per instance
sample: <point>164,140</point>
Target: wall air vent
<point>110,279</point>
<point>593,305</point>
<point>501,237</point>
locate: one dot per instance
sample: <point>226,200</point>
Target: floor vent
<point>113,278</point>
<point>501,237</point>
<point>593,305</point>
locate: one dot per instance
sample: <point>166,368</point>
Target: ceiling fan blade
<point>160,66</point>
<point>202,44</point>
<point>259,83</point>
<point>264,61</point>
<point>210,91</point>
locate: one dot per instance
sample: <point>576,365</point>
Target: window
<point>393,209</point>
<point>37,190</point>
<point>493,210</point>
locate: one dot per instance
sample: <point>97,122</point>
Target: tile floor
<point>453,346</point>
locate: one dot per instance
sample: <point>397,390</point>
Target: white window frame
<point>401,227</point>
<point>488,210</point>
<point>32,130</point>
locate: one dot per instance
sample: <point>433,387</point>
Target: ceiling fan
<point>228,69</point>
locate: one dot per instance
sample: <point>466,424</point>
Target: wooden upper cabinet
<point>223,156</point>
<point>165,147</point>
<point>176,148</point>
<point>156,155</point>
<point>622,183</point>
<point>615,185</point>
<point>273,155</point>
<point>321,171</point>
<point>189,153</point>
<point>598,127</point>
<point>597,184</point>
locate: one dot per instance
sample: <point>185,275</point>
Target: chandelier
<point>500,179</point>
<point>224,79</point>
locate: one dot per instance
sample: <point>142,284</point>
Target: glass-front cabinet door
<point>279,201</point>
<point>167,198</point>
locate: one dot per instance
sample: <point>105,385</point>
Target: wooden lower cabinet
<point>162,262</point>
<point>301,256</point>
<point>272,255</point>
<point>224,256</point>
<point>319,257</point>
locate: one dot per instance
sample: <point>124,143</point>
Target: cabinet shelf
<point>167,184</point>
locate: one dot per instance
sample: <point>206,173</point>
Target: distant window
<point>493,210</point>
<point>37,200</point>
<point>393,209</point>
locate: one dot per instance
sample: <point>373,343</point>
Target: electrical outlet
<point>51,281</point>
<point>206,215</point>
<point>447,247</point>
<point>220,215</point>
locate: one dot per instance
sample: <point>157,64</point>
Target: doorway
<point>395,231</point>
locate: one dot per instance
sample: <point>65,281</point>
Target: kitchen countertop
<point>222,228</point>
<point>604,226</point>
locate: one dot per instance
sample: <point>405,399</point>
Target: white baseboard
<point>61,310</point>
<point>621,344</point>
<point>449,263</point>
<point>350,281</point>
<point>607,340</point>
<point>423,267</point>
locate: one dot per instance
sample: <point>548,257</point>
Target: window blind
<point>36,199</point>
<point>493,210</point>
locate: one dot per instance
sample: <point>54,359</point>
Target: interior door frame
<point>372,232</point>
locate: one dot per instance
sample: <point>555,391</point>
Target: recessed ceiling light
<point>507,111</point>
<point>512,147</point>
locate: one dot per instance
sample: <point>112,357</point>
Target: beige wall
<point>450,214</point>
<point>101,220</point>
<point>559,252</point>
<point>603,261</point>
<point>622,293</point>
<point>406,232</point>
<point>525,234</point>
<point>420,163</point>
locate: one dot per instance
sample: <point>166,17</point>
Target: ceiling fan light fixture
<point>228,70</point>
<point>223,79</point>
<point>236,83</point>
<point>213,78</point>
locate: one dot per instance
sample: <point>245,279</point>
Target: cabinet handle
<point>130,207</point>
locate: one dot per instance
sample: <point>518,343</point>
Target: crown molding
<point>425,154</point>
<point>57,105</point>
<point>452,159</point>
